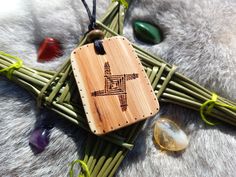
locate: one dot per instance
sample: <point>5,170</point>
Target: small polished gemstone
<point>147,32</point>
<point>95,35</point>
<point>39,139</point>
<point>169,136</point>
<point>49,49</point>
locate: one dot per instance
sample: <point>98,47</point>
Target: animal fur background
<point>200,38</point>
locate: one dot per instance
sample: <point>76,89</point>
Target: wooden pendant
<point>114,88</point>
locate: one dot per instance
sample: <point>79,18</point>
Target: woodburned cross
<point>115,85</point>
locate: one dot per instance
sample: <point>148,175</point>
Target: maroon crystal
<point>49,49</point>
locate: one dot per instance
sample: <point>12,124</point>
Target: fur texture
<point>200,38</point>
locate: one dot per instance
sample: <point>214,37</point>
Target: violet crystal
<point>39,139</point>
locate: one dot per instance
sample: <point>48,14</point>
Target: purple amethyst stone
<point>39,139</point>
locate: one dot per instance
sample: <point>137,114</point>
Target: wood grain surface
<point>114,88</point>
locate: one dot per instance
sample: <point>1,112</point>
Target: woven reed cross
<point>54,90</point>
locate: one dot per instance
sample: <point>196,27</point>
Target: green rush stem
<point>101,160</point>
<point>18,73</point>
<point>148,58</point>
<point>215,113</point>
<point>26,86</point>
<point>88,148</point>
<point>44,75</point>
<point>44,71</point>
<point>227,101</point>
<point>59,85</point>
<point>182,100</point>
<point>196,106</point>
<point>113,25</point>
<point>151,57</point>
<point>27,71</point>
<point>177,93</point>
<point>75,121</point>
<point>69,112</point>
<point>112,10</point>
<point>121,20</point>
<point>193,87</point>
<point>149,62</point>
<point>79,109</point>
<point>27,78</point>
<point>46,86</point>
<point>69,88</point>
<point>108,162</point>
<point>185,79</point>
<point>112,163</point>
<point>92,155</point>
<point>131,137</point>
<point>106,28</point>
<point>116,136</point>
<point>183,89</point>
<point>65,92</point>
<point>33,75</point>
<point>97,155</point>
<point>69,94</point>
<point>117,164</point>
<point>118,142</point>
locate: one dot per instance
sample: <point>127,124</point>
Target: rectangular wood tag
<point>114,88</point>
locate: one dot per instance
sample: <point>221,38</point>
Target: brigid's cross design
<point>115,85</point>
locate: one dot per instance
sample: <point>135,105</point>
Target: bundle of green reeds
<point>54,90</point>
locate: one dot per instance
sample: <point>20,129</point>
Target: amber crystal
<point>169,136</point>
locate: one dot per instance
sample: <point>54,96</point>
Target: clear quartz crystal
<point>169,136</point>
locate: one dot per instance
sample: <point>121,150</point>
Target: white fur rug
<point>199,37</point>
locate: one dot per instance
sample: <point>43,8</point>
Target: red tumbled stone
<point>49,49</point>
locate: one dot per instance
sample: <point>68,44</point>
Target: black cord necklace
<point>94,34</point>
<point>92,16</point>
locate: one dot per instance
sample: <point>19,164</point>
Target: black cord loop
<point>92,16</point>
<point>92,26</point>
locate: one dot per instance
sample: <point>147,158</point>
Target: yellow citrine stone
<point>169,136</point>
